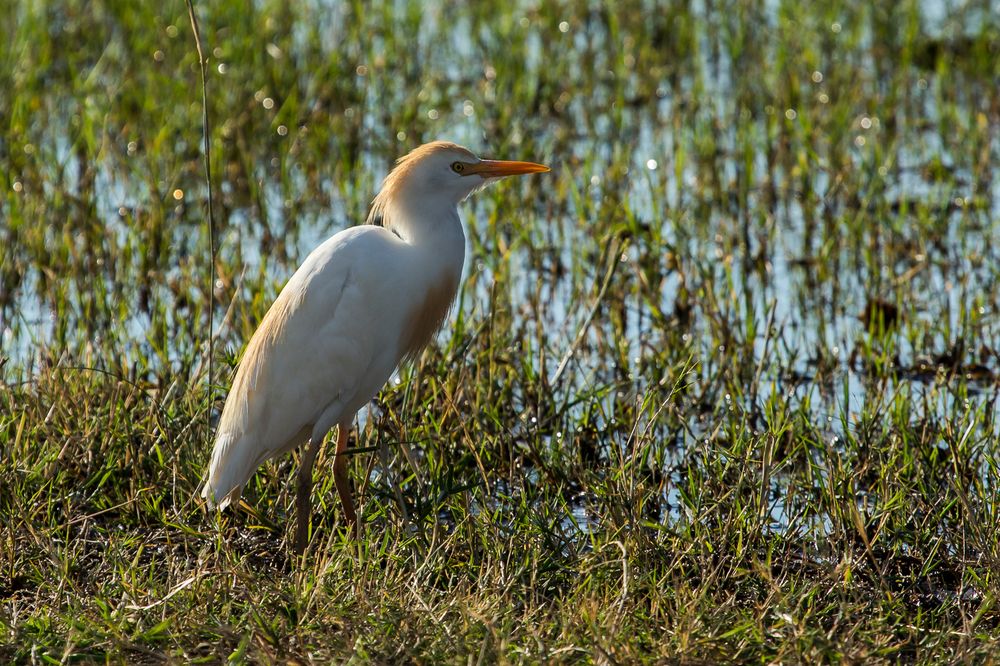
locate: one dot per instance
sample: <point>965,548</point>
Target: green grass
<point>774,437</point>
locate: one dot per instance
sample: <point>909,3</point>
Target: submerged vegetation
<point>723,386</point>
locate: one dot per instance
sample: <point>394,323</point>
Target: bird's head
<point>440,174</point>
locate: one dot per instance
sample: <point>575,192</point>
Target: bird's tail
<point>226,476</point>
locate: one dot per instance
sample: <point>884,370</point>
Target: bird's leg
<point>303,506</point>
<point>341,479</point>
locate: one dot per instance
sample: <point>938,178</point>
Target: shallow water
<point>780,235</point>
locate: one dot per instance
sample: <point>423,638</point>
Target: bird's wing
<point>321,340</point>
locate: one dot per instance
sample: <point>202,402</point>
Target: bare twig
<point>617,248</point>
<point>207,134</point>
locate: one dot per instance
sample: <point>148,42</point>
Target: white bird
<point>366,299</point>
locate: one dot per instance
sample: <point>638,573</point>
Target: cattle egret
<point>362,302</point>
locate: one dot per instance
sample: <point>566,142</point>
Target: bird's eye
<point>457,167</point>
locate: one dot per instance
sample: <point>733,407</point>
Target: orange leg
<point>341,479</point>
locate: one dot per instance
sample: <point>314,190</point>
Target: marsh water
<point>805,193</point>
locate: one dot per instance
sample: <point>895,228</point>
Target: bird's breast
<point>427,314</point>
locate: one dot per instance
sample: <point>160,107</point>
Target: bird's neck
<point>434,227</point>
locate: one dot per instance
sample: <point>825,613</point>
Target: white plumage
<point>357,306</point>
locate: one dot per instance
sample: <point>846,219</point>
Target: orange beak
<point>500,168</point>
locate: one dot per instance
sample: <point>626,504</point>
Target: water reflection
<point>736,225</point>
